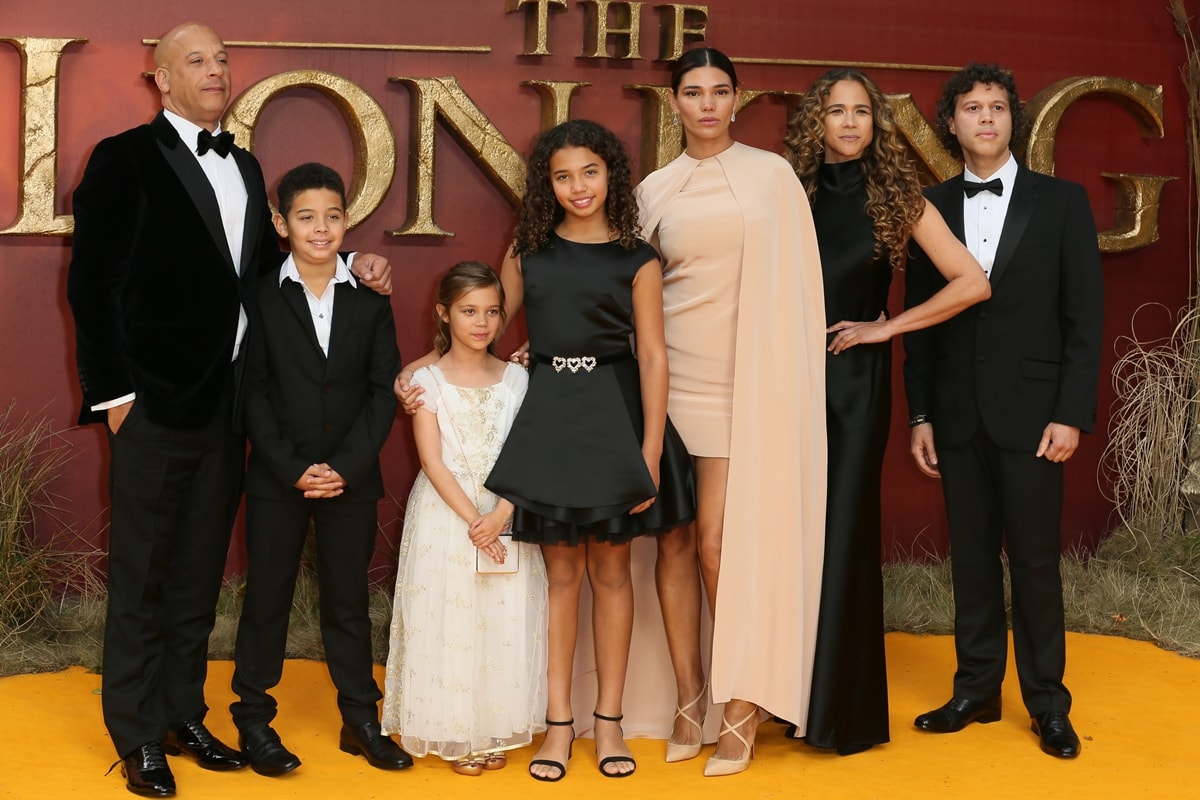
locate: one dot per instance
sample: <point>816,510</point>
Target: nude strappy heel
<point>732,766</point>
<point>683,752</point>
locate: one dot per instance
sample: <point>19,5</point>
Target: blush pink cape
<point>765,626</point>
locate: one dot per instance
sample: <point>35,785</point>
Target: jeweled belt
<point>577,363</point>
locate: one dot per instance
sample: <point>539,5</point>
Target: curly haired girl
<point>591,460</point>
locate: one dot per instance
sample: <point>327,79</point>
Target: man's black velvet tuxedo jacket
<point>152,283</point>
<point>304,408</point>
<point>1030,354</point>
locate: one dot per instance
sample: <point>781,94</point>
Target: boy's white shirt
<point>321,308</point>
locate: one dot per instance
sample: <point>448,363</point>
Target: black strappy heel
<point>614,759</point>
<point>560,766</point>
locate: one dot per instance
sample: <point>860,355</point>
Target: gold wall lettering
<point>933,161</point>
<point>556,100</point>
<point>1138,196</point>
<point>662,137</point>
<point>374,143</point>
<point>537,23</point>
<point>434,98</point>
<point>678,25</point>
<point>598,26</point>
<point>38,144</point>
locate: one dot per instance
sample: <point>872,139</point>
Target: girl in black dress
<point>591,460</point>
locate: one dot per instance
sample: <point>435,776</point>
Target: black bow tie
<point>995,186</point>
<point>219,144</point>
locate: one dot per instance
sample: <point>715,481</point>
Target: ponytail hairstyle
<point>701,57</point>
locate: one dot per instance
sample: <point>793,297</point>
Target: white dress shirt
<point>321,308</point>
<point>983,215</point>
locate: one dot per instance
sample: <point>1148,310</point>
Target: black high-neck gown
<point>849,706</point>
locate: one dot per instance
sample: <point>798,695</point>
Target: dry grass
<point>1139,586</point>
<point>39,566</point>
<point>304,625</point>
<point>1146,467</point>
<point>52,600</point>
<point>1142,582</point>
<point>1133,586</point>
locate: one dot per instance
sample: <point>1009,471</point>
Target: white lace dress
<point>466,670</point>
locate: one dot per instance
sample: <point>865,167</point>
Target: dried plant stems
<point>1145,462</point>
<point>51,602</point>
<point>29,461</point>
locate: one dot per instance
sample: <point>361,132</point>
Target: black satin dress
<point>572,463</point>
<point>849,706</point>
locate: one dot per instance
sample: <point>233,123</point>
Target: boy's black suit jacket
<point>303,408</point>
<point>152,284</point>
<point>1030,354</point>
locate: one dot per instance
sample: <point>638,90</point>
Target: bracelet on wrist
<point>918,419</point>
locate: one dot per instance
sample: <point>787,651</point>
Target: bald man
<point>172,229</point>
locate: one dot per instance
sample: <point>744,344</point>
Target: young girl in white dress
<point>466,671</point>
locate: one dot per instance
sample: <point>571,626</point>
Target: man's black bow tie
<point>995,186</point>
<point>219,144</point>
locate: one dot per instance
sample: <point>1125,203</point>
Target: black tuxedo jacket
<point>1030,354</point>
<point>304,408</point>
<point>152,284</point>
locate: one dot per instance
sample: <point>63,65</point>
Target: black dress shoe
<point>147,773</point>
<point>193,738</point>
<point>367,740</point>
<point>266,752</point>
<point>1057,735</point>
<point>958,714</point>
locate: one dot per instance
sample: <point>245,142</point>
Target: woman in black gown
<point>867,204</point>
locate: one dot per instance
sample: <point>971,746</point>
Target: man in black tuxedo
<point>1007,385</point>
<point>172,230</point>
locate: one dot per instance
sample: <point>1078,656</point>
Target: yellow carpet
<point>1136,708</point>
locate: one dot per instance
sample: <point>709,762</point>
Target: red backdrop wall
<point>102,90</point>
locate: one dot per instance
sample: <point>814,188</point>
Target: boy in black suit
<point>319,406</point>
<point>1008,385</point>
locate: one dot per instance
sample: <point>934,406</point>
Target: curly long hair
<point>894,199</point>
<point>964,81</point>
<point>463,277</point>
<point>540,210</point>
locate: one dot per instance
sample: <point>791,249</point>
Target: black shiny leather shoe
<point>146,772</point>
<point>367,740</point>
<point>1057,736</point>
<point>195,740</point>
<point>958,714</point>
<point>266,752</point>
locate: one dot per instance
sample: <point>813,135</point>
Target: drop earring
<point>733,117</point>
<point>675,120</point>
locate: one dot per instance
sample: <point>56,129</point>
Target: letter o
<point>373,141</point>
